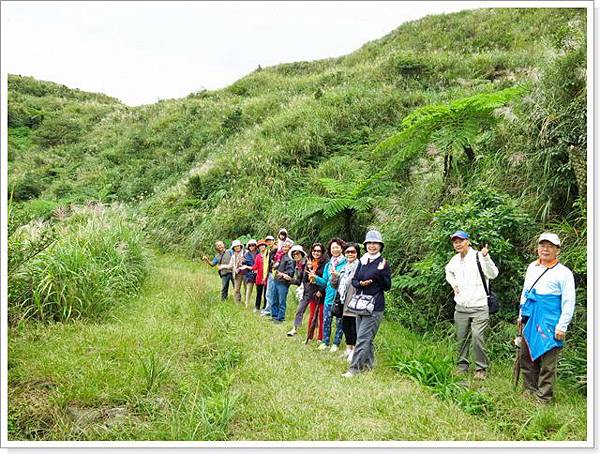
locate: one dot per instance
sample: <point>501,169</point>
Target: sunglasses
<point>351,251</point>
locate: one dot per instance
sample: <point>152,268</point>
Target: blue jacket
<point>330,291</point>
<point>249,258</point>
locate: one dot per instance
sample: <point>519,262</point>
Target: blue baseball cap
<point>460,234</point>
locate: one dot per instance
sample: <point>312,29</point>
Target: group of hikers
<point>340,282</point>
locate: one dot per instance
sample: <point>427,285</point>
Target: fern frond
<point>334,187</point>
<point>305,206</point>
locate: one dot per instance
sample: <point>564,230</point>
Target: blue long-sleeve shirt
<point>325,281</point>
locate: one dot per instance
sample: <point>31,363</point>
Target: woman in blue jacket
<point>332,269</point>
<point>373,277</point>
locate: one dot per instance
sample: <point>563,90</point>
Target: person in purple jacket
<point>373,277</point>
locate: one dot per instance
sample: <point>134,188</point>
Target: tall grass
<point>97,260</point>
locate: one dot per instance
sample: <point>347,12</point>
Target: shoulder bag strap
<point>485,287</point>
<point>540,276</point>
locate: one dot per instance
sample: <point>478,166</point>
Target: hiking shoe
<point>350,356</point>
<point>348,375</point>
<point>322,346</point>
<point>334,348</point>
<point>292,333</point>
<point>277,322</point>
<point>481,374</point>
<point>460,371</point>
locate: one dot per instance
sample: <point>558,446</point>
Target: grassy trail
<point>177,364</point>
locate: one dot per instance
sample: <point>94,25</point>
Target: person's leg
<point>283,293</point>
<point>269,297</point>
<point>463,337</point>
<point>373,326</point>
<point>275,300</point>
<point>225,285</point>
<point>479,326</point>
<point>264,303</point>
<point>547,376</point>
<point>259,292</point>
<point>360,352</point>
<point>249,287</point>
<point>302,305</point>
<point>337,339</point>
<point>321,309</point>
<point>237,296</point>
<point>529,369</point>
<point>327,319</point>
<point>349,328</point>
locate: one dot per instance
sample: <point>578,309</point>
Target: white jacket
<point>464,274</point>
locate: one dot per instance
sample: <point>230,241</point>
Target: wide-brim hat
<point>236,243</point>
<point>269,237</point>
<point>250,242</point>
<point>296,248</point>
<point>261,243</point>
<point>373,236</point>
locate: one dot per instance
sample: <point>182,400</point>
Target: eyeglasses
<point>350,251</point>
<point>318,250</point>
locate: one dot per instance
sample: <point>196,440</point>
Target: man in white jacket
<point>471,313</point>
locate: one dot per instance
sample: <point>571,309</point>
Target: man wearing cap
<point>222,261</point>
<point>471,313</point>
<point>547,306</point>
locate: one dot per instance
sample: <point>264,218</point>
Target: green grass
<point>177,364</point>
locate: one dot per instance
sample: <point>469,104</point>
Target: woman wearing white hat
<point>373,277</point>
<point>237,259</point>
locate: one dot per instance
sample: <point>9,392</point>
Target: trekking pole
<point>517,365</point>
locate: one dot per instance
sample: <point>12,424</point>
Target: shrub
<point>490,218</point>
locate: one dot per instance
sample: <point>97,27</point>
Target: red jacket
<point>258,269</point>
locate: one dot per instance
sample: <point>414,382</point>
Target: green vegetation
<point>474,120</point>
<point>81,266</point>
<point>177,364</point>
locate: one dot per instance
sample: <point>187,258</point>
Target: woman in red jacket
<point>260,267</point>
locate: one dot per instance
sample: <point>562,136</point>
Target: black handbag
<point>492,298</point>
<point>338,306</point>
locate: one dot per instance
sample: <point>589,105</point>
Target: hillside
<point>473,120</point>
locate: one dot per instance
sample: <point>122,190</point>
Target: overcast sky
<point>140,52</point>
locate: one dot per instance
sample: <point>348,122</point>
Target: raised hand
<point>484,250</point>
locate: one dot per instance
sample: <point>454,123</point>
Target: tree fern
<point>452,127</point>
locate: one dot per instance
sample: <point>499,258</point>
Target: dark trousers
<point>259,296</point>
<point>349,327</point>
<point>225,280</point>
<point>539,375</point>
